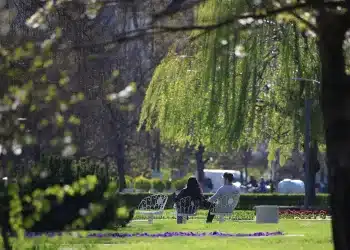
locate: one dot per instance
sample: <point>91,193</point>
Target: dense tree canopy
<point>235,86</point>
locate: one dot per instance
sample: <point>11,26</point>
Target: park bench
<point>224,206</point>
<point>152,206</point>
<point>186,207</point>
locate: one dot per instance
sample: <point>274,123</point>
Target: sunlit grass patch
<point>309,235</point>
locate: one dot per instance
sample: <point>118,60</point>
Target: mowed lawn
<point>316,236</point>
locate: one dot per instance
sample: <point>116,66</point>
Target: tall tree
<point>229,96</point>
<point>329,20</point>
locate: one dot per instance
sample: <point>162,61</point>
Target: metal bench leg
<point>221,219</point>
<point>150,219</point>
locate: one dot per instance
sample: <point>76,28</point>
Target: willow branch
<point>160,29</point>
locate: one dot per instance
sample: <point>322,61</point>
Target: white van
<point>288,186</point>
<point>215,175</point>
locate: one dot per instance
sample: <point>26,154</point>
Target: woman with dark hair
<point>192,190</point>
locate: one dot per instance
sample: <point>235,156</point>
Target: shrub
<point>58,213</point>
<point>128,181</point>
<point>180,184</point>
<point>167,184</point>
<point>158,185</point>
<point>58,173</point>
<point>142,183</point>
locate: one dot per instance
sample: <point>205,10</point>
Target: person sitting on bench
<point>227,189</point>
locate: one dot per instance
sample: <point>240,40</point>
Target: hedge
<point>60,172</point>
<point>158,185</point>
<point>249,215</point>
<point>246,202</point>
<point>142,183</point>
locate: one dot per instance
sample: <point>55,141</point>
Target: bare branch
<point>160,29</point>
<point>176,6</point>
<point>310,25</point>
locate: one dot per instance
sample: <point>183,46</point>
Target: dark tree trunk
<point>149,148</point>
<point>5,238</point>
<point>336,112</point>
<point>186,161</point>
<point>275,166</point>
<point>119,123</point>
<point>314,166</point>
<point>152,158</point>
<point>4,209</point>
<point>200,164</point>
<point>121,163</point>
<point>246,157</point>
<point>157,150</point>
<point>246,173</point>
<point>310,193</point>
<point>120,147</point>
<point>37,152</point>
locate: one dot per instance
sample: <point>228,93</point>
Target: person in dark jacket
<point>192,190</point>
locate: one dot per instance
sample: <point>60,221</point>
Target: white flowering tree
<point>37,97</point>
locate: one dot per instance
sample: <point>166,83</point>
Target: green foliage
<point>229,88</point>
<point>180,184</point>
<point>60,194</point>
<point>129,181</point>
<point>53,169</point>
<point>167,185</point>
<point>142,183</point>
<point>41,209</point>
<point>158,185</point>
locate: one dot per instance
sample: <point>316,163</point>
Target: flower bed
<point>250,214</point>
<point>304,214</point>
<point>156,235</point>
<point>285,214</point>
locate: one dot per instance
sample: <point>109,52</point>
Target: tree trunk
<point>186,160</point>
<point>247,155</point>
<point>336,112</point>
<point>200,164</point>
<point>310,193</point>
<point>120,154</point>
<point>309,182</point>
<point>275,166</point>
<point>119,123</point>
<point>157,151</point>
<point>150,150</point>
<point>4,209</point>
<point>246,173</point>
<point>5,238</point>
<point>120,163</point>
<point>314,166</point>
<point>36,152</point>
<point>152,156</point>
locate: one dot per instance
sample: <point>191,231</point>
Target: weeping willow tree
<point>232,87</point>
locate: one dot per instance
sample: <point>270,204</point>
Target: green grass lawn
<point>317,236</point>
